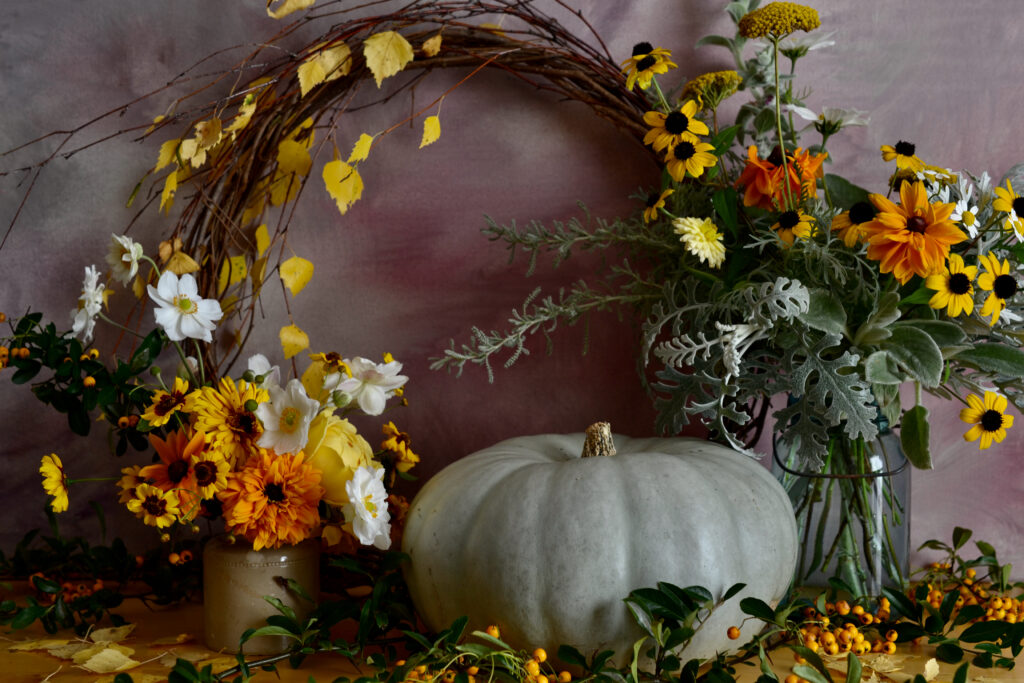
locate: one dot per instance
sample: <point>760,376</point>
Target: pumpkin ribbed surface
<point>529,536</point>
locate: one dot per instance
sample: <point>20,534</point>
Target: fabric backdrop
<point>407,270</point>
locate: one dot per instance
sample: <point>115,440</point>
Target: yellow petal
<point>286,7</point>
<point>431,131</point>
<point>181,263</point>
<point>296,273</point>
<point>293,340</point>
<point>262,240</point>
<point>361,149</point>
<point>386,54</point>
<point>343,184</point>
<point>431,46</point>
<point>167,196</point>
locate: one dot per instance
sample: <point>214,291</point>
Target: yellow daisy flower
<point>165,404</point>
<point>988,417</point>
<point>689,158</point>
<point>130,479</point>
<point>55,482</point>
<point>792,225</point>
<point>154,506</point>
<point>645,62</point>
<point>223,414</point>
<point>997,280</point>
<point>674,127</point>
<point>398,443</point>
<point>777,19</point>
<point>954,288</point>
<point>850,224</point>
<point>1009,202</point>
<point>905,156</point>
<point>655,202</point>
<point>210,472</point>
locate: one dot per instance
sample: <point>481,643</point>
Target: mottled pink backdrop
<point>407,268</point>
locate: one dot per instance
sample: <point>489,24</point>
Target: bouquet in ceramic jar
<point>768,288</point>
<point>277,460</point>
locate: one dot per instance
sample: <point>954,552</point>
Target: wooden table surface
<point>154,643</point>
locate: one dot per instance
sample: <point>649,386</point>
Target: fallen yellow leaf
<point>28,645</point>
<point>432,45</point>
<point>174,640</point>
<point>256,273</point>
<point>113,634</point>
<point>108,660</point>
<point>361,149</point>
<point>88,653</point>
<point>386,54</point>
<point>296,273</point>
<point>343,184</point>
<point>293,340</point>
<point>431,131</point>
<point>287,7</point>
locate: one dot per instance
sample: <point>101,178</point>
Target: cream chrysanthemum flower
<point>701,238</point>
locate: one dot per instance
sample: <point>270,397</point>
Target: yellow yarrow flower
<point>777,19</point>
<point>55,482</point>
<point>712,88</point>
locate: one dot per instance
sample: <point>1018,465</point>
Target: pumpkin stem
<point>598,441</point>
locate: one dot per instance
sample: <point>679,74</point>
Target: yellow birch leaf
<point>293,157</point>
<point>256,272</point>
<point>108,660</point>
<point>325,65</point>
<point>284,188</point>
<point>386,54</point>
<point>286,7</point>
<point>232,270</point>
<point>96,648</point>
<point>167,196</point>
<point>431,131</point>
<point>112,634</point>
<point>167,249</point>
<point>361,149</point>
<point>180,263</point>
<point>343,184</point>
<point>208,133</point>
<point>311,74</point>
<point>168,154</point>
<point>68,651</point>
<point>262,240</point>
<point>157,120</point>
<point>296,273</point>
<point>303,133</point>
<point>493,28</point>
<point>28,645</point>
<point>293,340</point>
<point>227,305</point>
<point>431,46</point>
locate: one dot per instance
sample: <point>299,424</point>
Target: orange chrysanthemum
<point>914,237</point>
<point>272,501</point>
<point>174,473</point>
<point>764,180</point>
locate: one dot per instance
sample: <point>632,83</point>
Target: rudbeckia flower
<point>654,203</point>
<point>954,288</point>
<point>1009,202</point>
<point>998,282</point>
<point>674,127</point>
<point>792,225</point>
<point>905,155</point>
<point>689,158</point>
<point>850,224</point>
<point>166,403</point>
<point>644,63</point>
<point>988,417</point>
<point>154,506</point>
<point>55,483</point>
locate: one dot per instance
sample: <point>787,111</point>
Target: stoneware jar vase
<point>235,580</point>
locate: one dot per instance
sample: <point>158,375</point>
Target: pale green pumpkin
<point>545,544</point>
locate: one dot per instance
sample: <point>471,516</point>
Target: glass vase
<point>236,580</point>
<point>852,512</point>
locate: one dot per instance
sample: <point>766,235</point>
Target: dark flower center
<point>1004,286</point>
<point>916,224</point>
<point>211,509</point>
<point>788,220</point>
<point>677,123</point>
<point>653,199</point>
<point>1018,206</point>
<point>155,505</point>
<point>643,48</point>
<point>646,63</point>
<point>992,420</point>
<point>862,212</point>
<point>775,158</point>
<point>274,493</point>
<point>959,283</point>
<point>906,149</point>
<point>684,150</point>
<point>177,471</point>
<point>243,422</point>
<point>206,472</point>
<point>166,404</point>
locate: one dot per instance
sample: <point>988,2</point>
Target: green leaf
<point>915,435</point>
<point>921,296</point>
<point>843,193</point>
<point>982,631</point>
<point>1007,361</point>
<point>825,313</point>
<point>721,41</point>
<point>27,369</point>
<point>880,368</point>
<point>45,585</point>
<point>900,603</point>
<point>571,656</point>
<point>917,353</point>
<point>725,202</point>
<point>758,608</point>
<point>733,590</point>
<point>961,673</point>
<point>949,652</point>
<point>961,536</point>
<point>944,333</point>
<point>810,673</point>
<point>853,667</point>
<point>78,420</point>
<point>268,631</point>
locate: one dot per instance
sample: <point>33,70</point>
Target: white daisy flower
<point>286,418</point>
<point>123,258</point>
<point>89,304</point>
<point>372,384</point>
<point>966,214</point>
<point>368,509</point>
<point>181,312</point>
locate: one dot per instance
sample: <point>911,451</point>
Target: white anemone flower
<point>368,509</point>
<point>286,418</point>
<point>372,384</point>
<point>260,367</point>
<point>798,45</point>
<point>123,258</point>
<point>89,304</point>
<point>831,119</point>
<point>181,312</point>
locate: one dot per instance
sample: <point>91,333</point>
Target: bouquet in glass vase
<point>774,295</point>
